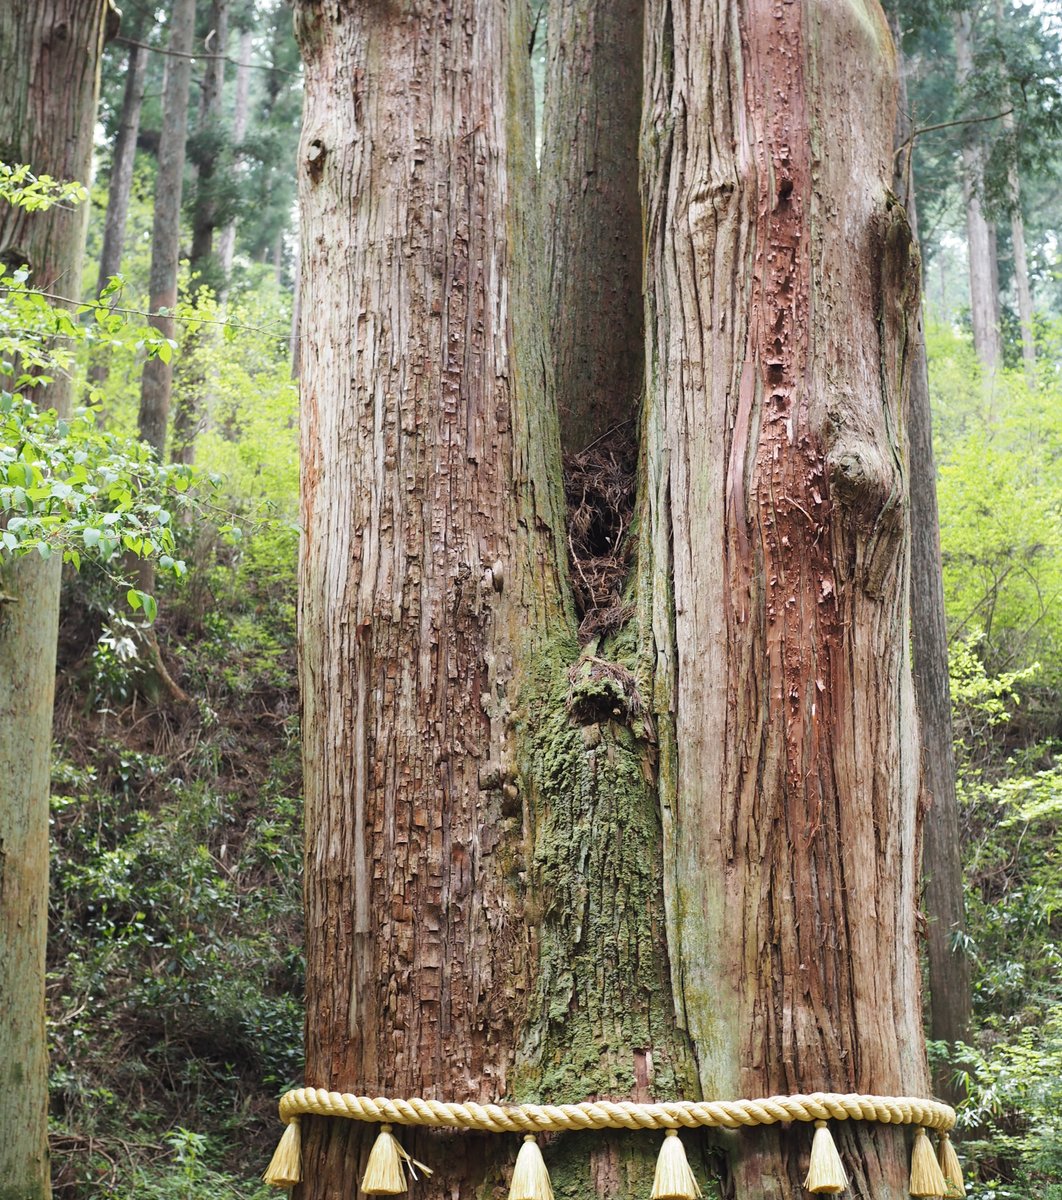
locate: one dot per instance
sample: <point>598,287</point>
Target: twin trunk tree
<point>680,861</point>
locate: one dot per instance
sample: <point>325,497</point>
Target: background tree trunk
<point>980,238</point>
<point>775,518</point>
<point>157,380</point>
<point>190,410</point>
<point>48,93</point>
<point>121,184</point>
<point>948,964</point>
<point>592,213</point>
<point>241,106</point>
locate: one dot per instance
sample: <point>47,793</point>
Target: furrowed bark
<point>948,965</point>
<point>592,214</point>
<point>428,557</point>
<point>780,283</point>
<point>48,93</point>
<point>157,380</point>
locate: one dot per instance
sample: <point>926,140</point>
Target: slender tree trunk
<point>157,380</point>
<point>980,237</point>
<point>227,240</point>
<point>1021,280</point>
<point>209,133</point>
<point>781,283</point>
<point>294,351</point>
<point>508,895</point>
<point>124,158</point>
<point>948,964</point>
<point>192,404</point>
<point>48,92</point>
<point>592,213</point>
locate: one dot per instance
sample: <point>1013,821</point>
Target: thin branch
<point>949,124</point>
<point>122,41</point>
<point>139,312</point>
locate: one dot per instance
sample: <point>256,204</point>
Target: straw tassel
<point>285,1167</point>
<point>384,1175</point>
<point>530,1177</point>
<point>926,1176</point>
<point>950,1169</point>
<point>826,1172</point>
<point>674,1180</point>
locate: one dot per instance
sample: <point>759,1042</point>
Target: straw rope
<point>618,1114</point>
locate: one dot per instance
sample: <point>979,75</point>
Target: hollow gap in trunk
<point>599,485</point>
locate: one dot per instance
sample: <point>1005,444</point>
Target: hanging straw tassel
<point>384,1175</point>
<point>530,1177</point>
<point>285,1167</point>
<point>674,1180</point>
<point>826,1172</point>
<point>926,1176</point>
<point>949,1168</point>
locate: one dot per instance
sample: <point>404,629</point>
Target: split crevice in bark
<point>599,487</point>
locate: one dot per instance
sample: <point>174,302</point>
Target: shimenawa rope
<point>674,1179</point>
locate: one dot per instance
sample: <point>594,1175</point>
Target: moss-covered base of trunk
<point>601,1019</point>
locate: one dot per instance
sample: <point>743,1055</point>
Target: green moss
<point>601,1012</point>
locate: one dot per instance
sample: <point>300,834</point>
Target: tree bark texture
<point>592,213</point>
<point>683,862</point>
<point>781,283</point>
<point>48,93</point>
<point>156,382</point>
<point>947,962</point>
<point>414,581</point>
<point>980,238</point>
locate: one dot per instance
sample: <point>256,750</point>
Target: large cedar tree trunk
<point>683,861</point>
<point>48,91</point>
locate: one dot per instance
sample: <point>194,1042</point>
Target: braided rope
<point>618,1114</point>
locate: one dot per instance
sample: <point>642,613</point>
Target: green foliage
<point>1000,495</point>
<point>1011,812</point>
<point>36,193</point>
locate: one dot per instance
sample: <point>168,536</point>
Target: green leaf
<point>133,599</point>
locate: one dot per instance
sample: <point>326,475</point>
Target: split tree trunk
<point>948,965</point>
<point>157,380</point>
<point>486,911</point>
<point>48,92</point>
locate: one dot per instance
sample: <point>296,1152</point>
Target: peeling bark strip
<point>779,281</point>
